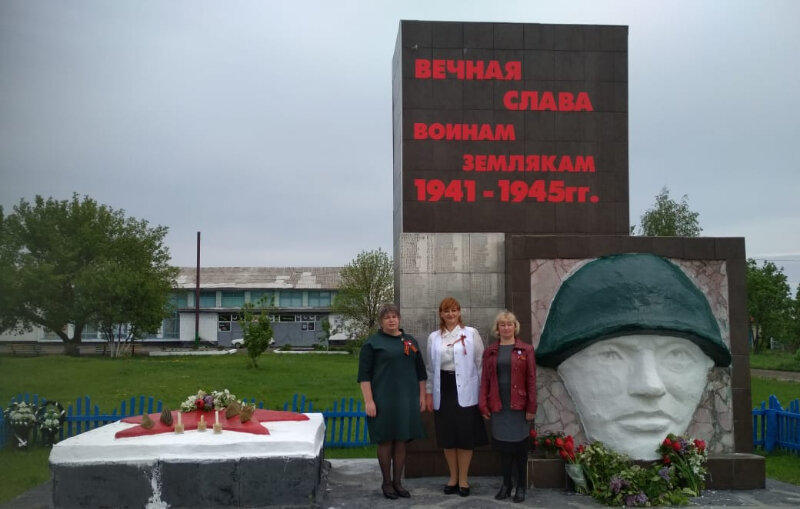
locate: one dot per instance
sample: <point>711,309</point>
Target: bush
<point>354,345</point>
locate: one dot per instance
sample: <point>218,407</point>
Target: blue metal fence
<point>776,427</point>
<point>345,423</point>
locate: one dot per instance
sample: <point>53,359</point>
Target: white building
<point>299,298</point>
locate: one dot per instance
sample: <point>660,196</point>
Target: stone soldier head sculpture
<point>633,339</point>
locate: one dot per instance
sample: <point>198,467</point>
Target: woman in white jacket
<point>455,354</point>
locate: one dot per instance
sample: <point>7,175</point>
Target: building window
<point>90,331</point>
<point>232,299</point>
<point>171,327</point>
<point>319,299</point>
<point>208,299</point>
<point>225,321</point>
<point>263,298</point>
<point>291,299</point>
<point>177,300</point>
<point>308,321</point>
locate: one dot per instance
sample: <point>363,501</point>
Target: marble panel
<point>486,252</point>
<point>450,252</point>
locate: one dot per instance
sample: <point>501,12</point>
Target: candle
<point>217,425</point>
<point>201,425</point>
<point>180,423</point>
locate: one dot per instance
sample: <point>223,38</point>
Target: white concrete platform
<point>193,469</point>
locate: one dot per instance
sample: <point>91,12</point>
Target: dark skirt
<point>457,427</point>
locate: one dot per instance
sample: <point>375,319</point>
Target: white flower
<point>21,414</point>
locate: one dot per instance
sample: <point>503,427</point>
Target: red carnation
<point>701,445</point>
<point>562,453</point>
<point>199,403</point>
<point>547,441</point>
<point>532,433</point>
<point>666,460</point>
<point>581,448</point>
<point>559,442</point>
<point>667,442</point>
<point>676,446</point>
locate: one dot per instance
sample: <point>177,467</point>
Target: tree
<point>75,262</point>
<point>256,329</point>
<point>130,301</point>
<point>769,302</point>
<point>324,340</point>
<point>366,283</point>
<point>794,331</point>
<point>6,276</point>
<point>667,218</point>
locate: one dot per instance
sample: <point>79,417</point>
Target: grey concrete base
<point>355,484</point>
<point>250,482</point>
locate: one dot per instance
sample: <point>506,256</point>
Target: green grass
<point>773,359</point>
<point>784,467</point>
<point>322,378</point>
<point>761,388</point>
<point>22,470</point>
<point>352,452</point>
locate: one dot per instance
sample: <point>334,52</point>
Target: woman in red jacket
<point>508,398</point>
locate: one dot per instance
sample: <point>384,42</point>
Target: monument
<point>196,459</point>
<point>510,174</point>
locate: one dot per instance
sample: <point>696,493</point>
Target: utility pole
<point>197,298</point>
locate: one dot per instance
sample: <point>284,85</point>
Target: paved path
<point>791,376</point>
<point>355,484</point>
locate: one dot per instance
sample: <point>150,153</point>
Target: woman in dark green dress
<point>392,376</point>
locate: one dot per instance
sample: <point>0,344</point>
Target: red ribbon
<point>460,340</point>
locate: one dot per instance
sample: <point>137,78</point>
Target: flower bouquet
<point>616,481</point>
<point>566,449</point>
<point>532,434</point>
<point>686,458</point>
<point>22,417</point>
<point>50,418</point>
<point>207,402</point>
<point>548,444</point>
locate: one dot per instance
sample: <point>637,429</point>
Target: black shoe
<point>401,492</point>
<point>519,494</point>
<point>504,493</point>
<point>464,492</point>
<point>388,491</point>
<point>450,490</point>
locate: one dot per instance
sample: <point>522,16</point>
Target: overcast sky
<point>267,125</point>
